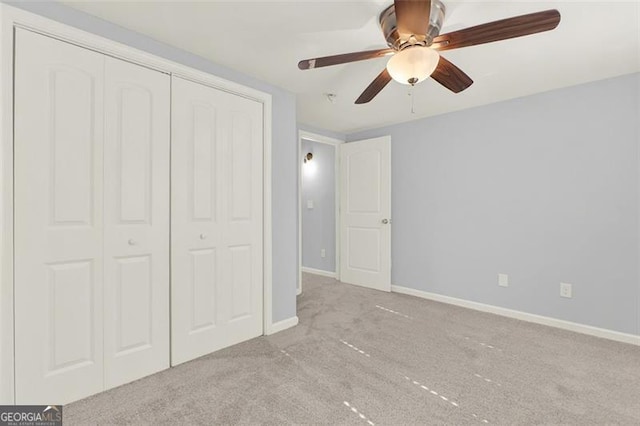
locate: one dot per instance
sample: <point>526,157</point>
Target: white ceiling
<point>266,39</point>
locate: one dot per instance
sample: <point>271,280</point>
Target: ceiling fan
<point>412,30</point>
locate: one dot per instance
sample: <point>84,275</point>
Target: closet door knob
<point>132,242</point>
<point>203,236</point>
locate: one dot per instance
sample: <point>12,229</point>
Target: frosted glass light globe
<point>413,64</point>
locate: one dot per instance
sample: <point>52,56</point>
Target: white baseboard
<point>524,316</point>
<point>298,291</point>
<point>318,272</point>
<point>282,325</point>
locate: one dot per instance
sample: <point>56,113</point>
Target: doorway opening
<point>318,206</point>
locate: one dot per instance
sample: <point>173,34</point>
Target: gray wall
<point>284,158</point>
<point>319,223</point>
<point>543,188</point>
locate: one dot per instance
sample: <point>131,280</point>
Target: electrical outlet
<point>565,290</point>
<point>323,253</point>
<point>503,280</point>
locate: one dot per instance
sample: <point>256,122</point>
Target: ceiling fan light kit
<point>412,31</point>
<point>413,64</point>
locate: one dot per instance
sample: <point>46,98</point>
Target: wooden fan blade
<point>499,30</point>
<point>451,77</point>
<point>412,16</point>
<point>344,58</point>
<point>375,87</point>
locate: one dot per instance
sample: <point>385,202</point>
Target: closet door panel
<point>58,220</point>
<point>216,220</point>
<point>243,233</point>
<point>137,120</point>
<point>196,158</point>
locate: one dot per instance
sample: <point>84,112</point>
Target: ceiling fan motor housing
<point>389,27</point>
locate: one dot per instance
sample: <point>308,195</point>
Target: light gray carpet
<point>365,357</point>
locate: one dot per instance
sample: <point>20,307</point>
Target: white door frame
<point>11,17</point>
<point>314,137</point>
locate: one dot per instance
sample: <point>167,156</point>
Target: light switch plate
<point>309,204</point>
<point>503,280</point>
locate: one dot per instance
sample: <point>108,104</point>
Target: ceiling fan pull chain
<point>410,93</point>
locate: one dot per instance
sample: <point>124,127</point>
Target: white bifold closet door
<point>59,139</point>
<point>91,221</point>
<point>136,221</point>
<point>216,220</point>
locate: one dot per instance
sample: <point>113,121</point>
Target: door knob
<point>203,236</point>
<point>132,242</point>
<point>385,221</point>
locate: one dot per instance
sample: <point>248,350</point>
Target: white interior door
<point>365,209</point>
<point>216,215</point>
<point>136,244</point>
<point>58,220</point>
